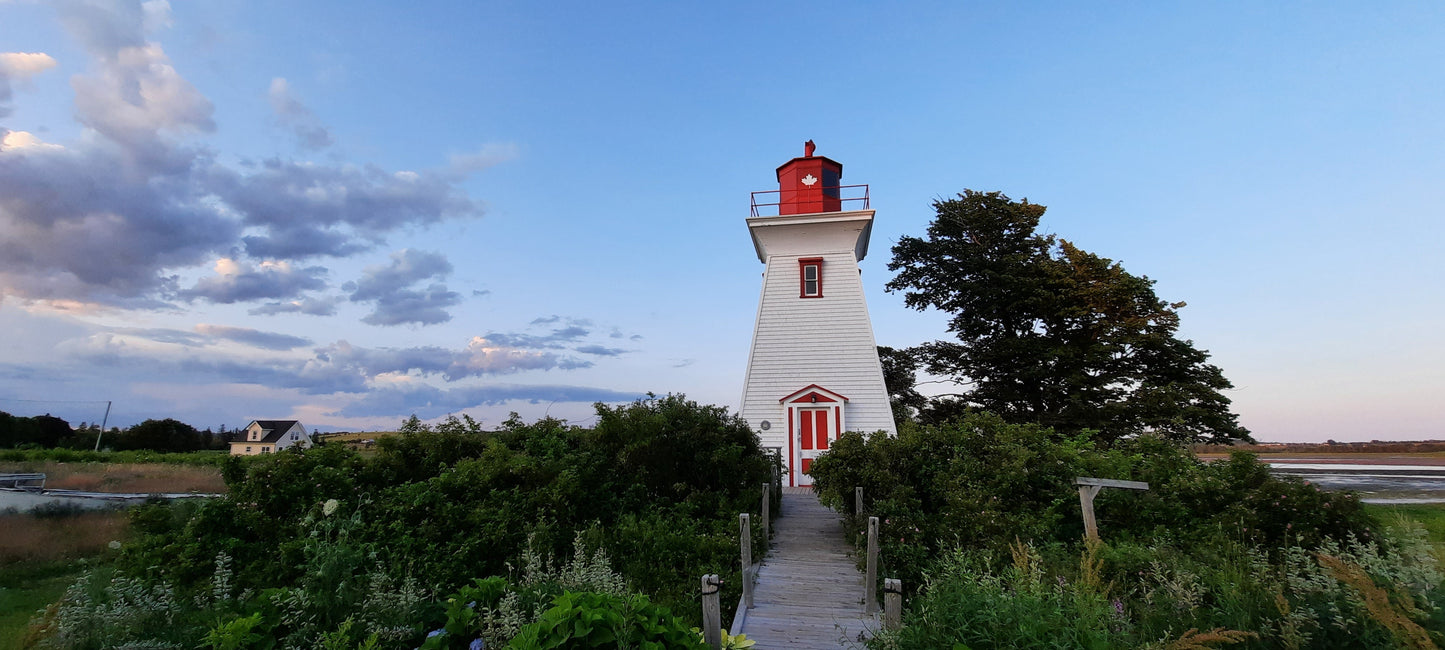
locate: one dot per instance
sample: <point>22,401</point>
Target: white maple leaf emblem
<point>809,180</point>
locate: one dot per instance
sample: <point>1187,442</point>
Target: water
<point>1375,483</point>
<point>27,500</point>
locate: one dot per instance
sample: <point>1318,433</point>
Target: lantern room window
<point>810,277</point>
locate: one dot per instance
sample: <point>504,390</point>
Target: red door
<point>815,428</point>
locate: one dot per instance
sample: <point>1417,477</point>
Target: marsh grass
<point>124,477</point>
<point>45,540</point>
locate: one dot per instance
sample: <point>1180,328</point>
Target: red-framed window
<point>810,277</point>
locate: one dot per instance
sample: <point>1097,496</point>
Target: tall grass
<point>38,540</point>
<point>124,477</point>
<point>84,456</point>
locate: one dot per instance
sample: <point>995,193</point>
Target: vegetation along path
<point>809,592</point>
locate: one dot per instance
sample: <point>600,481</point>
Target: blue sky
<point>350,212</point>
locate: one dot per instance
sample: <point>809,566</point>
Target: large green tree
<point>1046,332</point>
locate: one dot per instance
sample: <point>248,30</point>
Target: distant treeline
<point>168,435</point>
<point>1330,447</point>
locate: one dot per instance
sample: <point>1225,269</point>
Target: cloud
<point>254,338</point>
<point>310,133</point>
<point>336,368</point>
<point>573,331</point>
<point>395,303</point>
<point>238,281</point>
<point>304,209</point>
<point>407,266</point>
<point>429,401</point>
<point>311,306</point>
<point>161,335</point>
<point>481,357</point>
<point>490,155</point>
<point>19,66</point>
<point>23,65</point>
<point>425,307</point>
<point>601,351</point>
<point>203,335</point>
<point>110,219</point>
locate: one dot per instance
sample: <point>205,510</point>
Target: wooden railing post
<point>870,587</point>
<point>858,501</point>
<point>746,540</point>
<point>1086,501</point>
<point>1089,488</point>
<point>767,506</point>
<point>711,612</point>
<point>892,603</point>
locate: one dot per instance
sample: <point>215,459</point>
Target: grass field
<point>124,477</point>
<point>27,589</point>
<point>41,556</point>
<point>1430,515</point>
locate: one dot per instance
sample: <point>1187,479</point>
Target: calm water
<point>24,501</point>
<point>1374,483</point>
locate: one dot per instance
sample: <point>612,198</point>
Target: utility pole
<point>103,421</point>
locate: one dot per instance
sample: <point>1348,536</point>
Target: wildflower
<point>330,507</point>
<point>477,644</point>
<point>436,632</point>
<point>1118,607</point>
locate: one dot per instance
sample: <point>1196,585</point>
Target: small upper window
<point>811,277</point>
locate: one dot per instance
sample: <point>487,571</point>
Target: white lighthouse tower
<point>813,370</point>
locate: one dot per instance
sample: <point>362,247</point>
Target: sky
<point>347,213</point>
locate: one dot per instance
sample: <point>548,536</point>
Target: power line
<point>55,401</point>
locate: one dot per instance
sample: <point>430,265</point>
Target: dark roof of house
<point>274,429</point>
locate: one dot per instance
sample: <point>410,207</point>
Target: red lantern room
<point>809,184</point>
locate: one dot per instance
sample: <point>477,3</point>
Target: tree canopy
<point>1046,332</point>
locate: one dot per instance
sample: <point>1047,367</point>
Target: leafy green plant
<point>593,620</point>
<point>729,641</point>
<point>239,633</point>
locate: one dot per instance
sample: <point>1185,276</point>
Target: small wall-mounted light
<point>814,398</point>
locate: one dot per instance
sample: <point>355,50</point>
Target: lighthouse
<point>813,369</point>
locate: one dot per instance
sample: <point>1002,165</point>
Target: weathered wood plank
<point>1109,482</point>
<point>809,590</point>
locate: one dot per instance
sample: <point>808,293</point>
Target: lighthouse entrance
<point>813,436</point>
<point>815,418</point>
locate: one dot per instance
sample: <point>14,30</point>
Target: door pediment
<point>812,393</point>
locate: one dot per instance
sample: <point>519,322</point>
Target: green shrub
<point>656,486</point>
<point>979,482</point>
<point>1128,595</point>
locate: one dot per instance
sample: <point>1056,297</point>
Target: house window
<point>265,450</point>
<point>295,437</point>
<point>810,277</point>
<point>248,450</point>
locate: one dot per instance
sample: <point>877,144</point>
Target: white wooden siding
<point>826,341</point>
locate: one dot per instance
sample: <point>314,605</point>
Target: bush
<point>979,482</point>
<point>327,543</point>
<point>1126,595</point>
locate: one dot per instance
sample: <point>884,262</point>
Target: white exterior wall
<point>301,440</point>
<point>826,341</point>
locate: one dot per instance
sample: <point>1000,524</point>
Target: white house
<point>270,436</point>
<point>813,370</point>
